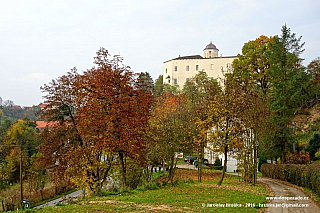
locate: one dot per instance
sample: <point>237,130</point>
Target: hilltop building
<point>179,70</point>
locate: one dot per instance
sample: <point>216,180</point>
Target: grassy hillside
<point>186,196</point>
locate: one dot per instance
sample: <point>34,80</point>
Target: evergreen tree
<point>158,87</point>
<point>314,146</point>
<point>145,81</point>
<point>287,74</point>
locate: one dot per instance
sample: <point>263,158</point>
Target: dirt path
<point>288,199</point>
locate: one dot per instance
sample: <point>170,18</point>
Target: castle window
<point>187,79</point>
<point>212,66</point>
<point>166,70</point>
<point>175,81</point>
<point>187,68</point>
<point>197,67</point>
<point>175,68</point>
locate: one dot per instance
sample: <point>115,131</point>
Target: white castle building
<point>179,70</point>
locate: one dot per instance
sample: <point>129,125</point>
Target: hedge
<point>302,175</point>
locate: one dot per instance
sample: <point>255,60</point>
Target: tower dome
<point>210,51</point>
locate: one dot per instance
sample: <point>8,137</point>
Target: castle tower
<point>210,51</point>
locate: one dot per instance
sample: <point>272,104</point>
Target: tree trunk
<point>171,169</point>
<point>283,156</point>
<point>201,160</point>
<point>122,171</point>
<point>41,194</point>
<point>224,165</point>
<point>255,161</point>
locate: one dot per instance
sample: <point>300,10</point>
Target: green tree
<point>158,87</point>
<point>199,91</point>
<point>287,73</point>
<point>145,81</point>
<point>252,66</point>
<point>223,117</point>
<point>314,146</point>
<point>252,71</point>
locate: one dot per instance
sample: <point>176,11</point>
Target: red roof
<point>44,124</point>
<point>42,106</point>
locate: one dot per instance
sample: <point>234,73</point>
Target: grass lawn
<point>187,196</point>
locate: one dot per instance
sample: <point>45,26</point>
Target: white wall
<point>212,66</point>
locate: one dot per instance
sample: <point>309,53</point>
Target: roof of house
<point>186,57</point>
<point>198,57</point>
<point>44,124</point>
<point>42,105</point>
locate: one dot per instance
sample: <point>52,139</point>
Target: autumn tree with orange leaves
<point>106,118</point>
<point>170,130</point>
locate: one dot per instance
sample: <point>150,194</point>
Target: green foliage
<point>288,91</point>
<point>317,155</point>
<point>15,113</point>
<point>217,162</point>
<point>19,140</point>
<point>133,174</point>
<point>200,88</point>
<point>261,161</point>
<point>314,146</point>
<point>252,66</point>
<point>145,81</point>
<point>302,175</point>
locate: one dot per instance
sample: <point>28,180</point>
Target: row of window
<point>187,68</point>
<point>197,67</point>
<point>175,81</point>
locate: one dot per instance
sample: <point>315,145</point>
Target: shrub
<point>133,174</point>
<point>217,167</point>
<point>217,162</point>
<point>302,175</point>
<point>298,158</point>
<point>314,145</point>
<point>260,162</point>
<point>317,155</point>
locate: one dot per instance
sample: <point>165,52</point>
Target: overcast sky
<point>42,40</point>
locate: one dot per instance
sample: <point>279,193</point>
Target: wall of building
<point>211,156</point>
<point>178,76</point>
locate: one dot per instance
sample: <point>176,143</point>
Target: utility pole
<point>21,184</point>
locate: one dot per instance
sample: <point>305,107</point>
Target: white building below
<point>212,156</point>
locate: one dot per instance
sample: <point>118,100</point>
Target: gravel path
<point>288,199</point>
<point>73,195</point>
